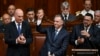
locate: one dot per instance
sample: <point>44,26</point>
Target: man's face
<point>6,19</point>
<point>19,16</point>
<point>87,21</point>
<point>40,14</point>
<point>97,17</point>
<point>87,5</point>
<point>11,10</point>
<point>65,10</point>
<point>58,22</point>
<point>30,14</point>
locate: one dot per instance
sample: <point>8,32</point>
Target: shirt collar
<point>17,23</point>
<point>64,14</point>
<point>32,20</point>
<point>58,29</point>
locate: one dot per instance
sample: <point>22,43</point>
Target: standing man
<point>65,12</point>
<point>18,36</point>
<point>30,13</point>
<point>11,11</point>
<point>85,35</point>
<point>56,38</point>
<point>97,23</point>
<point>87,8</point>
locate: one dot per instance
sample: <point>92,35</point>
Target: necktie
<point>65,17</point>
<point>55,35</point>
<point>86,28</point>
<point>19,29</point>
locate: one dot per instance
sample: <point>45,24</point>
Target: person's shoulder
<point>25,22</point>
<point>91,11</point>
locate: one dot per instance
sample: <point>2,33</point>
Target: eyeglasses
<point>65,8</point>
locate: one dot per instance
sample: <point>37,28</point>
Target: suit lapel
<point>90,30</point>
<point>23,27</point>
<point>80,29</point>
<point>52,34</point>
<point>59,35</point>
<point>15,28</point>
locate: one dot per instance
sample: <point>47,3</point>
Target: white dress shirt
<point>12,18</point>
<point>32,20</point>
<point>87,30</point>
<point>67,15</point>
<point>39,22</point>
<point>17,25</point>
<point>84,12</point>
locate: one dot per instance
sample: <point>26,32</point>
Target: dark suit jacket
<point>70,18</point>
<point>10,39</point>
<point>59,46</point>
<point>2,28</point>
<point>90,42</point>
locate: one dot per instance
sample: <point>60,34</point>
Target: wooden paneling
<point>51,7</point>
<point>75,5</point>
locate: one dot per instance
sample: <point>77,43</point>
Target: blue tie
<point>19,29</point>
<point>55,35</point>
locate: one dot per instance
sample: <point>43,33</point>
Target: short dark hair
<point>88,14</point>
<point>29,9</point>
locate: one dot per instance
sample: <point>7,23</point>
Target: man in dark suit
<point>18,36</point>
<point>65,8</point>
<point>56,38</point>
<point>97,23</point>
<point>30,13</point>
<point>85,35</point>
<point>6,19</point>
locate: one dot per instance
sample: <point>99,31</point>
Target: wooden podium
<point>85,52</point>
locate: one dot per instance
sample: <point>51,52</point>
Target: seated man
<point>6,19</point>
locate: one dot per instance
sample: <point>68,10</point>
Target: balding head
<point>6,18</point>
<point>11,10</point>
<point>19,15</point>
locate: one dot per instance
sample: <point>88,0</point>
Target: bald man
<point>6,19</point>
<point>18,36</point>
<point>11,11</point>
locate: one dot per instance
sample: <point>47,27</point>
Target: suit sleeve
<point>29,35</point>
<point>73,35</point>
<point>95,38</point>
<point>8,36</point>
<point>63,48</point>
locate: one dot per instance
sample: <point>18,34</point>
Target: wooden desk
<point>79,52</point>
